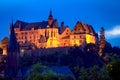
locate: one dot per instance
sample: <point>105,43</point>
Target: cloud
<point>115,32</point>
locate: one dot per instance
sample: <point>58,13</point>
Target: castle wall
<point>53,38</point>
<point>77,39</point>
<point>90,39</point>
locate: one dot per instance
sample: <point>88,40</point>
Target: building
<point>47,34</point>
<point>4,44</point>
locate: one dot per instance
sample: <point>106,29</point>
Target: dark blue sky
<point>98,13</point>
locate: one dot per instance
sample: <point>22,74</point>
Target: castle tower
<point>50,18</point>
<point>12,58</point>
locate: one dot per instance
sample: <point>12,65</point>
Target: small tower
<point>12,58</point>
<point>50,18</point>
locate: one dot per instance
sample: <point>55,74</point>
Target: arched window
<point>51,33</point>
<point>48,33</point>
<point>54,33</point>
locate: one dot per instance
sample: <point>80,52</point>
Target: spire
<point>50,13</point>
<point>50,18</point>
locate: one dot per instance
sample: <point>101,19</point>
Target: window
<point>16,34</point>
<point>67,30</point>
<point>64,44</point>
<point>34,37</point>
<point>25,33</point>
<point>30,37</point>
<point>48,33</point>
<point>22,37</point>
<point>74,37</point>
<point>19,37</point>
<point>80,37</point>
<point>25,37</point>
<point>54,34</point>
<point>80,41</point>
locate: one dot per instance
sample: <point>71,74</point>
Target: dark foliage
<point>116,50</point>
<point>1,51</point>
<point>107,48</point>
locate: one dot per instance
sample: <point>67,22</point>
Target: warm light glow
<point>88,38</point>
<point>77,43</point>
<point>4,52</point>
<point>55,43</point>
<point>22,50</point>
<point>52,42</point>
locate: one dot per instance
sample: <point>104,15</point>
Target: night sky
<point>97,13</point>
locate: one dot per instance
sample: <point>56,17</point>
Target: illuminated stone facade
<point>48,34</point>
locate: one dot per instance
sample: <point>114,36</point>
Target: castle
<point>47,34</point>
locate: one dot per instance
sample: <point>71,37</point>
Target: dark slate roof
<point>84,27</point>
<point>18,22</point>
<point>62,29</point>
<point>61,70</point>
<point>58,70</point>
<point>28,26</point>
<point>91,29</point>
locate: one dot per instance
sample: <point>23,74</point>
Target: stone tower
<point>12,58</point>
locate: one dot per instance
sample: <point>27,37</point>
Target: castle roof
<point>28,26</point>
<point>62,29</point>
<point>36,25</point>
<point>81,27</point>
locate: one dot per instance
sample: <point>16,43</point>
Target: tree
<point>39,72</point>
<point>114,68</point>
<point>94,73</point>
<point>107,48</point>
<point>104,74</point>
<point>84,74</point>
<point>102,41</point>
<point>1,51</point>
<point>116,50</point>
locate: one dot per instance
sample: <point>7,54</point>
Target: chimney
<point>62,24</point>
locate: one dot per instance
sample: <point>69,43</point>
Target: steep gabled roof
<point>62,29</point>
<point>81,27</point>
<point>19,23</point>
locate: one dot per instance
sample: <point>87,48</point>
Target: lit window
<point>74,37</point>
<point>80,37</point>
